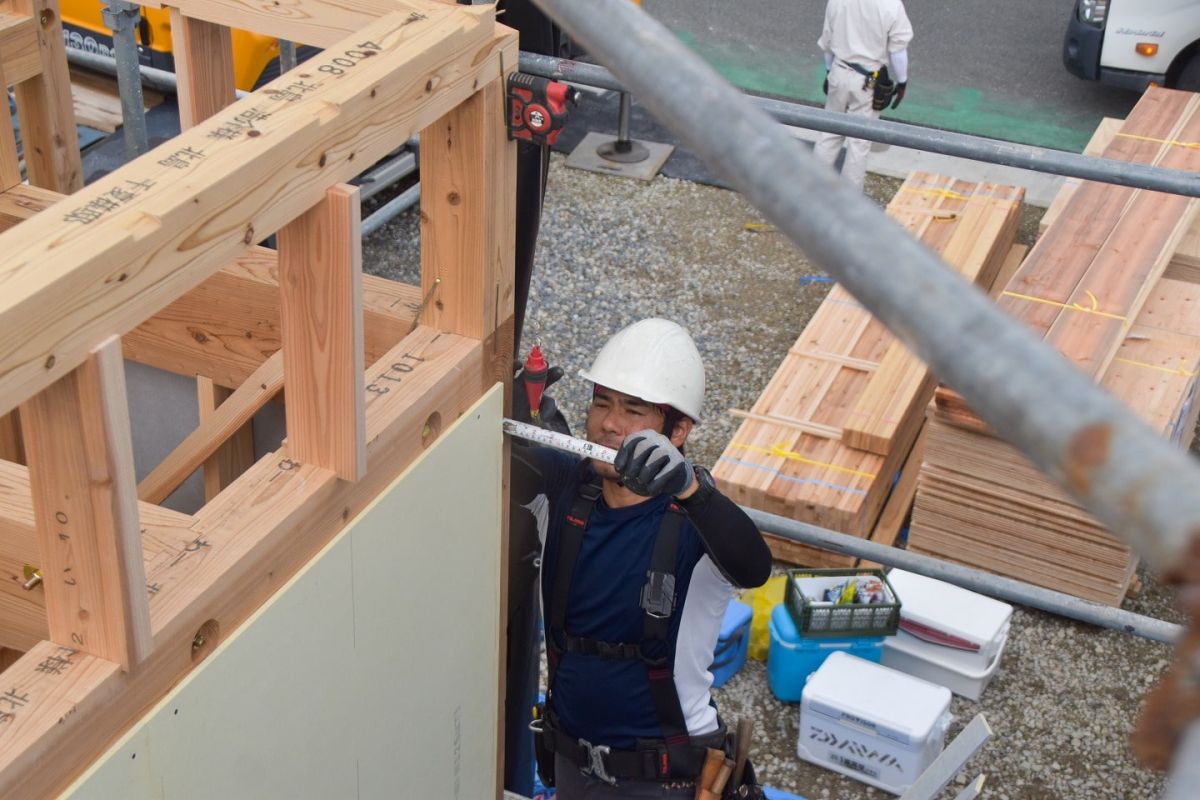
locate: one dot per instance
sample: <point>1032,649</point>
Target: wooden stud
<point>236,454</point>
<point>81,472</point>
<point>44,106</point>
<point>203,67</point>
<point>320,281</point>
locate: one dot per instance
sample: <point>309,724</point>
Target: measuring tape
<point>560,441</point>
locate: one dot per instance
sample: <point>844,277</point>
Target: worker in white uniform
<point>860,39</point>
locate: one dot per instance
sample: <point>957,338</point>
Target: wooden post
<point>44,106</point>
<point>468,213</point>
<point>10,165</point>
<point>320,278</point>
<point>203,66</point>
<point>82,482</point>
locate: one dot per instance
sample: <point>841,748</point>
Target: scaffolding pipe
<point>1013,591</point>
<point>976,148</point>
<point>158,79</point>
<point>391,209</point>
<point>122,18</point>
<point>1139,485</point>
<point>1185,768</point>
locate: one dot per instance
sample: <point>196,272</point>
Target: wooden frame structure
<point>160,258</point>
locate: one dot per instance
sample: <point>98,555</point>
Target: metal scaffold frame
<point>1140,486</point>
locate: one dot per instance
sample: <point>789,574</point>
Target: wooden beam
<point>320,278</point>
<point>23,201</point>
<point>225,421</point>
<point>203,66</point>
<point>467,217</point>
<point>318,22</point>
<point>81,472</point>
<point>235,455</point>
<point>188,338</point>
<point>44,106</point>
<point>128,244</point>
<point>19,54</point>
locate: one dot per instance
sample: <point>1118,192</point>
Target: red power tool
<point>537,107</point>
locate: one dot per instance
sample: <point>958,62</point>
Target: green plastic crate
<point>826,619</point>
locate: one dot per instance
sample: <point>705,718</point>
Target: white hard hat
<point>654,360</point>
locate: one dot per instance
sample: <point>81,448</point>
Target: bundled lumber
<point>1097,289</point>
<point>837,421</point>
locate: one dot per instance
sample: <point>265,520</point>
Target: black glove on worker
<point>549,417</point>
<point>899,94</point>
<point>650,465</point>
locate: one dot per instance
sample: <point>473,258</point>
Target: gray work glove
<point>650,465</point>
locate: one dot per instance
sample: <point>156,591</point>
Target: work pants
<point>847,95</point>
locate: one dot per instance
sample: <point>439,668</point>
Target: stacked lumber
<point>837,422</point>
<point>1096,288</point>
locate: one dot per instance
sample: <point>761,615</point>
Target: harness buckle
<point>595,767</point>
<point>658,594</point>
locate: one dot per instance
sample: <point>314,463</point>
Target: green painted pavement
<point>964,109</point>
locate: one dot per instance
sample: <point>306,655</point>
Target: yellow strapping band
<point>1094,309</point>
<point>780,451</point>
<point>1172,142</point>
<point>1180,370</point>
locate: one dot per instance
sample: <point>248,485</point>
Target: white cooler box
<point>872,723</point>
<point>948,635</point>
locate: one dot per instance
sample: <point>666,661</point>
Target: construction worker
<point>860,39</point>
<point>640,560</point>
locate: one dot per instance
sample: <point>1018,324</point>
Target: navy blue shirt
<point>607,700</point>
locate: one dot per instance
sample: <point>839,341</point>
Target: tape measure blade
<point>559,441</point>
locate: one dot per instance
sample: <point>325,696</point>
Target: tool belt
<point>869,76</point>
<point>649,761</point>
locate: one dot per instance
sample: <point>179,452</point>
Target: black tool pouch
<point>749,788</point>
<point>541,750</point>
<point>885,88</point>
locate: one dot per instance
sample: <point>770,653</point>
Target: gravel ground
<point>613,251</point>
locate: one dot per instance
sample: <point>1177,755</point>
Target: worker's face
<point>614,415</point>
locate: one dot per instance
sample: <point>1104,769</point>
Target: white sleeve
<point>901,32</point>
<point>828,60</point>
<point>900,66</point>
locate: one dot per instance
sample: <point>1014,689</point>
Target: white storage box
<point>872,723</point>
<point>948,635</point>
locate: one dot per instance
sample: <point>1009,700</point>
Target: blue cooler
<point>733,643</point>
<point>779,794</point>
<point>792,658</point>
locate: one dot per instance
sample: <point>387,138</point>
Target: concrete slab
<point>586,157</point>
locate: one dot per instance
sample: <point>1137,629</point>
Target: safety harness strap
<point>673,755</point>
